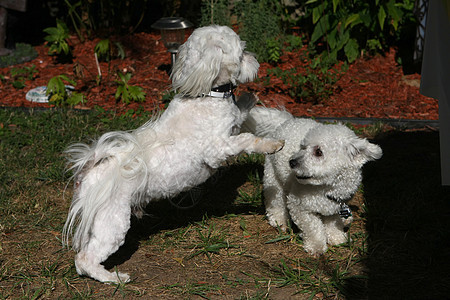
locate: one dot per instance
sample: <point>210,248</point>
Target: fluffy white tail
<point>263,121</point>
<point>99,170</point>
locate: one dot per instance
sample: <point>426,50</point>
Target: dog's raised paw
<point>268,146</point>
<point>277,146</point>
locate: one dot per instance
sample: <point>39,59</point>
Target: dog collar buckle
<point>219,94</point>
<point>223,91</point>
<point>344,211</point>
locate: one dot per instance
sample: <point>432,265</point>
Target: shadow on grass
<point>217,199</point>
<point>406,209</point>
<point>408,220</point>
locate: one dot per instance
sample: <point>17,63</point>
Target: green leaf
<point>331,38</point>
<point>136,93</point>
<point>351,50</point>
<point>381,17</point>
<point>120,50</point>
<point>278,239</point>
<point>395,13</point>
<point>120,90</point>
<point>320,29</point>
<point>335,4</point>
<point>316,14</point>
<point>75,99</point>
<point>343,39</point>
<point>102,47</point>
<point>352,20</point>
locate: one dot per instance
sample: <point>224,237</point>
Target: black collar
<point>222,91</point>
<point>339,199</point>
<point>228,87</point>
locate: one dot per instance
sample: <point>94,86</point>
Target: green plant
<point>258,23</point>
<point>166,97</point>
<point>202,290</point>
<point>126,92</point>
<point>57,39</point>
<point>60,94</point>
<point>107,50</point>
<point>314,85</point>
<point>251,194</point>
<point>108,16</point>
<point>210,241</point>
<point>20,75</point>
<point>273,50</point>
<point>216,12</point>
<point>347,27</point>
<point>292,42</point>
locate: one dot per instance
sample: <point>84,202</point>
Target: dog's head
<point>330,154</point>
<point>212,56</point>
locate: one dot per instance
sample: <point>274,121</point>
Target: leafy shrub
<point>59,94</point>
<point>126,92</point>
<point>107,50</point>
<point>110,16</point>
<point>258,23</point>
<point>347,27</point>
<point>273,50</point>
<point>20,75</point>
<point>315,84</point>
<point>57,39</point>
<point>216,12</point>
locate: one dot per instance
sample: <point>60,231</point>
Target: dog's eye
<point>317,152</point>
<point>302,147</point>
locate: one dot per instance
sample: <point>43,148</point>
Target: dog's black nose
<point>293,163</point>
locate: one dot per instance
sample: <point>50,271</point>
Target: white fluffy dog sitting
<point>312,177</point>
<point>123,171</point>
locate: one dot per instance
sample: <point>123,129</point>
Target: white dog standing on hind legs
<point>122,171</point>
<point>310,180</point>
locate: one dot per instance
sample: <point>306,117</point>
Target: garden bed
<point>371,87</point>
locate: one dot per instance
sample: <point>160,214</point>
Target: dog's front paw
<point>279,223</point>
<point>337,237</point>
<point>315,247</point>
<point>268,146</point>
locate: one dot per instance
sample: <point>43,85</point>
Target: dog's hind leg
<point>107,234</point>
<point>274,199</point>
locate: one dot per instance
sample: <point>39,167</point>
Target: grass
<point>222,247</point>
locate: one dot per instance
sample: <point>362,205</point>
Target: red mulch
<point>373,87</point>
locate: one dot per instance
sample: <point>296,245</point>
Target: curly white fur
<point>123,171</point>
<point>319,166</point>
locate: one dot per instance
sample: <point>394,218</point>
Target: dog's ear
<point>197,66</point>
<point>249,68</point>
<point>361,151</point>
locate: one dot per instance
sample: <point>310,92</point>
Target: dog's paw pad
<point>275,146</point>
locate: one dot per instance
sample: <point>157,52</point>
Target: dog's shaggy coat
<point>310,180</point>
<point>122,171</point>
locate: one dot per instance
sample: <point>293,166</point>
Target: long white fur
<point>298,183</point>
<point>122,171</point>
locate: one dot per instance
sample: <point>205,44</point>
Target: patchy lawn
<point>223,248</point>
